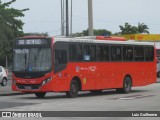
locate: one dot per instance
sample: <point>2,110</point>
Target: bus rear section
<point>71,65</point>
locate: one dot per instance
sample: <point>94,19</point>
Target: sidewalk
<point>7,91</point>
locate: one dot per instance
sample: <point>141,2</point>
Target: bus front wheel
<point>40,94</point>
<point>73,91</point>
<point>127,85</point>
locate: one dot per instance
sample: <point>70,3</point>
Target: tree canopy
<point>126,29</point>
<point>142,28</point>
<point>10,26</point>
<point>129,29</point>
<point>96,32</point>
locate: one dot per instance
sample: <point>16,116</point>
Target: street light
<point>67,20</point>
<point>90,18</point>
<point>62,17</point>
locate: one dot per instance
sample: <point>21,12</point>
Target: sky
<point>45,15</point>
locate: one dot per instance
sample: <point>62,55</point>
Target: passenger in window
<point>87,57</point>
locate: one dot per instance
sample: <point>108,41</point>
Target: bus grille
<point>28,86</point>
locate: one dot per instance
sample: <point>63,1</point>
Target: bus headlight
<point>46,80</point>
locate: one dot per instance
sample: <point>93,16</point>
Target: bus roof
<point>83,40</point>
<point>91,39</point>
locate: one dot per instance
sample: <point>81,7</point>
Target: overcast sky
<point>45,15</point>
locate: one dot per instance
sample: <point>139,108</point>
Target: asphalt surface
<point>7,90</point>
<point>146,98</point>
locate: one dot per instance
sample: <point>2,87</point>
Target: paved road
<point>6,90</point>
<point>140,99</point>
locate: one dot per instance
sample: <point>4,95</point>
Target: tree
<point>102,32</point>
<point>128,29</point>
<point>36,34</point>
<point>142,28</point>
<point>10,27</point>
<point>96,32</point>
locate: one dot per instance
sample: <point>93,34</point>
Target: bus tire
<point>40,94</point>
<point>73,91</point>
<point>127,85</point>
<point>4,82</point>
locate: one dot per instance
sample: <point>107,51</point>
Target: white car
<point>3,76</point>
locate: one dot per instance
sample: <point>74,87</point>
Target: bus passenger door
<point>60,64</point>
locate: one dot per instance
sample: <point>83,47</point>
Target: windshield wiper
<point>25,59</point>
<point>41,59</point>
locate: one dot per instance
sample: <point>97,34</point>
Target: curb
<point>11,94</point>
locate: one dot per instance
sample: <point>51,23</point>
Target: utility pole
<point>67,19</point>
<point>62,17</point>
<point>90,18</point>
<point>71,20</point>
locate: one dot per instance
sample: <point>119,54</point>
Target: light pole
<point>71,20</point>
<point>90,18</point>
<point>62,17</point>
<point>67,19</point>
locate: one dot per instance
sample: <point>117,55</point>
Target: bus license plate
<point>28,87</point>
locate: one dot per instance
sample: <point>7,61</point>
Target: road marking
<point>132,97</point>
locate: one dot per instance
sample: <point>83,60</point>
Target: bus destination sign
<point>32,42</point>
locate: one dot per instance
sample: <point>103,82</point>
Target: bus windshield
<point>32,59</point>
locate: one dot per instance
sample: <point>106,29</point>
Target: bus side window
<point>100,53</point>
<point>106,53</point>
<point>103,53</point>
<point>149,53</point>
<point>93,52</point>
<point>116,54</point>
<point>138,53</point>
<point>87,55</point>
<point>75,52</point>
<point>60,57</point>
<point>127,53</point>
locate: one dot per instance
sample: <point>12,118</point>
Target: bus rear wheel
<point>40,94</point>
<point>73,91</point>
<point>127,85</point>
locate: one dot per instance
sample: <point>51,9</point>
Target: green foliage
<point>128,29</point>
<point>36,34</point>
<point>96,32</point>
<point>102,32</point>
<point>10,27</point>
<point>142,28</point>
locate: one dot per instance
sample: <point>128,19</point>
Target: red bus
<point>42,65</point>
